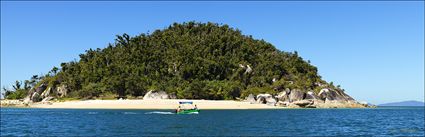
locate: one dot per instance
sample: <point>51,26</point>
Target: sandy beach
<point>151,104</point>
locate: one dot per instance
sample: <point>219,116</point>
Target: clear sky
<point>374,50</point>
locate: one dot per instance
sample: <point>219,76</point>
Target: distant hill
<point>404,103</point>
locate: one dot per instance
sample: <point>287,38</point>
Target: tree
<point>54,70</point>
<point>27,85</point>
<point>17,85</point>
<point>192,60</point>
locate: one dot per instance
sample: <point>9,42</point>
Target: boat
<point>187,107</point>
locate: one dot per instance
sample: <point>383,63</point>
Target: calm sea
<point>391,121</point>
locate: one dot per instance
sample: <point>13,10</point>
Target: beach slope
<point>150,104</point>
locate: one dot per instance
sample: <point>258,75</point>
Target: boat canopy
<point>186,102</point>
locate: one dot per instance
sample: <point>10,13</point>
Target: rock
<point>27,99</point>
<point>317,101</point>
<point>302,103</point>
<point>311,95</point>
<point>41,88</point>
<point>35,97</point>
<point>296,95</point>
<point>366,104</point>
<point>282,104</point>
<point>331,95</point>
<point>250,98</point>
<point>46,92</point>
<point>266,99</point>
<point>61,90</point>
<point>248,69</point>
<point>172,96</point>
<point>261,98</point>
<point>283,96</point>
<point>271,101</point>
<point>278,88</point>
<point>152,94</point>
<point>47,99</point>
<point>241,66</point>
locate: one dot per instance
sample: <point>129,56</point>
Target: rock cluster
<point>326,98</point>
<point>44,93</point>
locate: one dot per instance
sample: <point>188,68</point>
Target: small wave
<point>92,113</point>
<point>159,112</point>
<point>130,113</point>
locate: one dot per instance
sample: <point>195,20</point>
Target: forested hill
<point>190,60</point>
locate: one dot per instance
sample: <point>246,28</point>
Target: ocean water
<point>386,121</point>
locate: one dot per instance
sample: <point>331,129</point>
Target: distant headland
<point>197,61</point>
<point>404,103</point>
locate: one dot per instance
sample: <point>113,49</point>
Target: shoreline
<point>164,104</point>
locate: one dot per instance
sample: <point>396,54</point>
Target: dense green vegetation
<point>190,60</point>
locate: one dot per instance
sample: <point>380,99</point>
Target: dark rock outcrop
<point>41,88</point>
<point>36,97</point>
<point>311,95</point>
<point>296,95</point>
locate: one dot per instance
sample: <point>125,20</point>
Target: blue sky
<point>374,50</point>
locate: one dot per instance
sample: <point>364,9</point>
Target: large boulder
<point>303,103</point>
<point>331,95</point>
<point>61,90</point>
<point>283,96</point>
<point>250,98</point>
<point>266,99</point>
<point>41,88</point>
<point>282,104</point>
<point>153,94</point>
<point>46,92</point>
<point>311,95</point>
<point>271,101</point>
<point>36,97</point>
<point>296,95</point>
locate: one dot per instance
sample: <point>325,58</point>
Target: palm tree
<point>17,85</point>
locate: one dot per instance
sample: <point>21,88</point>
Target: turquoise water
<point>393,121</point>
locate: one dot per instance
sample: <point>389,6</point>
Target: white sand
<point>152,104</point>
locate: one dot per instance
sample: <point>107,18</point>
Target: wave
<point>130,113</point>
<point>159,112</point>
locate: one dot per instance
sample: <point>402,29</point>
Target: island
<point>213,65</point>
<point>410,103</point>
